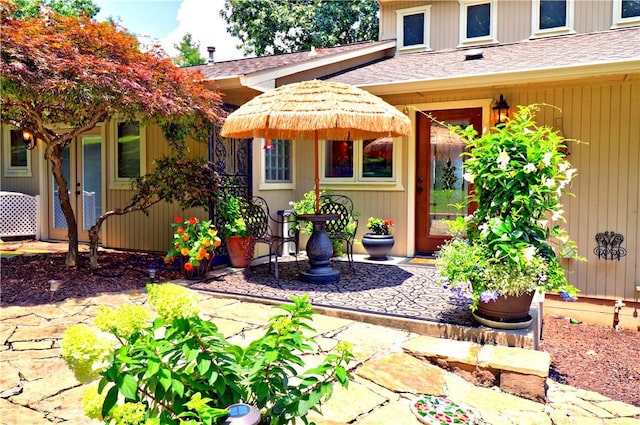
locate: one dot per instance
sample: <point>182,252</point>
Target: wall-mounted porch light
<point>29,140</point>
<point>501,111</point>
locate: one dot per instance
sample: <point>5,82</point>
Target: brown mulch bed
<point>591,357</point>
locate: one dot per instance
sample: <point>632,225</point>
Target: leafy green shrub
<point>506,247</point>
<point>179,369</point>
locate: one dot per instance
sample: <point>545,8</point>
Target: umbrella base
<point>322,275</point>
<point>319,250</point>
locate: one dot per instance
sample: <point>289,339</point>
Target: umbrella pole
<point>317,172</point>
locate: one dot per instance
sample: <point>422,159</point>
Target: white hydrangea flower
<point>503,160</point>
<point>563,166</point>
<point>546,159</point>
<point>469,177</point>
<point>550,183</point>
<point>529,168</point>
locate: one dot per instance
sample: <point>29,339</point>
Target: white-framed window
<point>360,161</point>
<point>278,165</point>
<point>551,17</point>
<point>626,12</point>
<point>413,28</point>
<point>478,22</point>
<point>17,158</point>
<point>128,153</point>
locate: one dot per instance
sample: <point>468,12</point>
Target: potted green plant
<point>172,366</point>
<point>194,242</point>
<point>379,240</point>
<point>511,245</point>
<point>240,244</point>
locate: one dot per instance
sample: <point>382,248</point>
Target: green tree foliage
<point>188,52</point>
<point>283,26</point>
<point>33,8</point>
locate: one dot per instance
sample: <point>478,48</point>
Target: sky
<point>169,20</point>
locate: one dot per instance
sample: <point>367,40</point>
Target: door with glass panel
<point>441,191</point>
<point>82,168</point>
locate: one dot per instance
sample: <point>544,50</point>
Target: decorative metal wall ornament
<point>609,246</point>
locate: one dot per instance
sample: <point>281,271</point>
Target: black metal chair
<point>262,225</point>
<point>345,227</point>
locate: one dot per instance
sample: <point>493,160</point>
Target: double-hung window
<point>551,17</point>
<point>358,161</point>
<point>278,164</point>
<point>128,153</point>
<point>478,22</point>
<point>626,12</point>
<point>17,159</point>
<point>413,28</point>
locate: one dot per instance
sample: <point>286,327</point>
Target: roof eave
<point>265,80</point>
<point>570,72</point>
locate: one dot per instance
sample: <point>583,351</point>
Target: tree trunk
<point>70,217</point>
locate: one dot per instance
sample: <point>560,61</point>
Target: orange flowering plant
<point>194,240</point>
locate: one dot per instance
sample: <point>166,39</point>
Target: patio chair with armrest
<point>345,227</point>
<point>261,225</point>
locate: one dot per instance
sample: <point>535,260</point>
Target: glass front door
<point>82,168</point>
<point>441,191</point>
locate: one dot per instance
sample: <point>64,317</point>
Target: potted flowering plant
<point>379,241</point>
<point>511,245</point>
<point>194,242</point>
<point>240,244</point>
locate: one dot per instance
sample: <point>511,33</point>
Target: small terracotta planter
<point>240,249</point>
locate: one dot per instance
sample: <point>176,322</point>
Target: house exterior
<point>453,60</point>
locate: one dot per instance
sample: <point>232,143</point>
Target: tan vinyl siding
<point>514,20</point>
<point>137,230</point>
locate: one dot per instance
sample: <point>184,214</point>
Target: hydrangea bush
<point>512,243</point>
<point>179,369</point>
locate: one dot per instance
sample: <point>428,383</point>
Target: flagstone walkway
<point>37,388</point>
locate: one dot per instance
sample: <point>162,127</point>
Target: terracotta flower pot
<point>508,312</point>
<point>240,249</point>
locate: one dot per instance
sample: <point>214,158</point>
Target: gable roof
<point>373,66</point>
<point>261,73</point>
<point>552,58</point>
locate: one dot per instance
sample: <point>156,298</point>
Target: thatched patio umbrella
<point>316,110</point>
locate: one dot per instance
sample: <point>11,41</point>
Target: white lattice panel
<point>19,215</point>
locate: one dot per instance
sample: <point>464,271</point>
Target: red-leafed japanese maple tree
<point>61,76</point>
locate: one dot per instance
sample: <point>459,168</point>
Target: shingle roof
<point>251,65</point>
<point>544,53</point>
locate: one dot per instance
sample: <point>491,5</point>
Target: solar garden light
<point>242,414</point>
<point>152,274</point>
<point>54,284</point>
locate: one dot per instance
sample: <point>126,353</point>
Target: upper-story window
<point>129,154</point>
<point>359,160</point>
<point>413,28</point>
<point>626,12</point>
<point>277,167</point>
<point>478,22</point>
<point>551,17</point>
<point>17,159</point>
